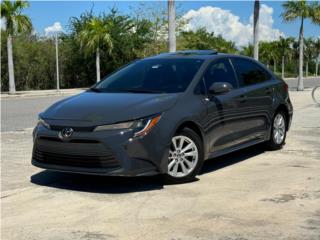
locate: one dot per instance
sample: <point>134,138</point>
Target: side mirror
<point>220,88</point>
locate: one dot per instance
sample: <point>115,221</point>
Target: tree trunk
<point>317,65</point>
<point>57,62</point>
<point>256,30</point>
<point>98,64</point>
<point>274,65</point>
<point>300,78</point>
<point>172,26</point>
<point>282,68</point>
<point>307,69</point>
<point>156,39</point>
<point>12,85</point>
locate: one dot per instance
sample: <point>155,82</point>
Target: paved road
<point>249,194</point>
<point>20,113</point>
<point>308,83</point>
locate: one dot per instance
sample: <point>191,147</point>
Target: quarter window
<point>249,72</point>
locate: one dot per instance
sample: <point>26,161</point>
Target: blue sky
<point>46,13</point>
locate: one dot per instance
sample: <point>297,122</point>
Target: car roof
<point>194,54</point>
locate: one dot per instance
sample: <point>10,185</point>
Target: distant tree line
<point>117,39</point>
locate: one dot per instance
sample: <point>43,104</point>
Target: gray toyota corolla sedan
<point>165,115</point>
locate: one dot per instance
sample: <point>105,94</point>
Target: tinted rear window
<point>152,75</point>
<point>249,72</point>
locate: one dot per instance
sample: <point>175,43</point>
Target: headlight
<point>43,122</point>
<point>117,126</point>
<point>140,127</point>
<point>144,126</point>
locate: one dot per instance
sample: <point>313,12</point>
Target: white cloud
<point>2,23</point>
<point>266,31</point>
<point>221,21</point>
<point>56,27</point>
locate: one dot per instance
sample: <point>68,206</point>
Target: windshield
<point>152,76</point>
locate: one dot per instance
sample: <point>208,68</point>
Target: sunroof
<point>197,52</point>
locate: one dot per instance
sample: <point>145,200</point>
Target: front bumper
<point>113,153</point>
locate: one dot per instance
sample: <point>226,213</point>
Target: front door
<point>224,124</point>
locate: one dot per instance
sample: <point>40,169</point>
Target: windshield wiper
<point>95,89</point>
<point>137,90</point>
<point>132,90</point>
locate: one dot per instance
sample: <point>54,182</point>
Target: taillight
<point>285,87</point>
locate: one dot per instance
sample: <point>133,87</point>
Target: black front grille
<point>75,160</point>
<point>55,139</point>
<point>74,154</point>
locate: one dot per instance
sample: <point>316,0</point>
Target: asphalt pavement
<point>307,82</point>
<point>20,113</point>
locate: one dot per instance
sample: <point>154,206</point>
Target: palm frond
<point>95,34</point>
<point>292,11</point>
<point>315,13</point>
<point>14,20</point>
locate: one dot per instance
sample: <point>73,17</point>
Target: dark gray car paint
<point>106,108</point>
<point>227,122</point>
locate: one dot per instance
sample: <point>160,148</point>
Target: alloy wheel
<point>279,128</point>
<point>183,156</point>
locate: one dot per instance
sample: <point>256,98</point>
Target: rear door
<point>256,105</point>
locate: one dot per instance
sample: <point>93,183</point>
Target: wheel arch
<point>193,126</point>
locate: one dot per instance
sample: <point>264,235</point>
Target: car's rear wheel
<point>278,131</point>
<point>185,157</point>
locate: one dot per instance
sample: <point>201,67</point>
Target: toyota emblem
<point>66,132</point>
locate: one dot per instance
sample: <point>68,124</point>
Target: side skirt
<point>235,148</point>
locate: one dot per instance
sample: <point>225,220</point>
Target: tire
<point>278,131</point>
<point>185,161</point>
<point>316,94</point>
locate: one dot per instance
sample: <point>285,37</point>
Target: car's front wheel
<point>185,157</point>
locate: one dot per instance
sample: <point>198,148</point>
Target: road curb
<point>42,93</point>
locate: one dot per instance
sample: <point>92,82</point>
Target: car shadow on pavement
<point>119,185</point>
<point>95,184</point>
<point>217,163</point>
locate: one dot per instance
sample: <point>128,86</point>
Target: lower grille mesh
<point>75,160</point>
<point>93,155</point>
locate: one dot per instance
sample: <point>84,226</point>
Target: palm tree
<point>295,55</point>
<point>274,51</point>
<point>172,26</point>
<point>308,52</point>
<point>94,36</point>
<point>301,10</point>
<point>284,45</point>
<point>317,51</point>
<point>266,53</point>
<point>256,29</point>
<point>15,22</point>
<point>247,50</point>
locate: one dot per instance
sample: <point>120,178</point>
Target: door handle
<point>242,98</point>
<point>268,90</point>
<point>206,99</point>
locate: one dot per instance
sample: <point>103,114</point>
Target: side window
<point>249,72</point>
<point>220,71</point>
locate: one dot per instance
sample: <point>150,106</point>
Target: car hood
<point>91,108</point>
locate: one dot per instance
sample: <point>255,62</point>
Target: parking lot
<point>249,194</point>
